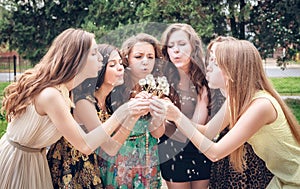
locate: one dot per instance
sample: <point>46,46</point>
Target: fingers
<point>143,94</point>
<point>138,106</point>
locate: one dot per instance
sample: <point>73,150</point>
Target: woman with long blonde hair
<point>254,112</point>
<point>223,175</point>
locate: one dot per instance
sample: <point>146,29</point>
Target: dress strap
<point>25,148</point>
<point>66,95</point>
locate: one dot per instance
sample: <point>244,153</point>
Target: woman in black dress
<point>182,164</point>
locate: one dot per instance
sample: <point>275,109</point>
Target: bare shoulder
<point>48,94</point>
<point>48,97</point>
<point>265,109</point>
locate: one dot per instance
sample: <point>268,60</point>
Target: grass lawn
<point>285,86</point>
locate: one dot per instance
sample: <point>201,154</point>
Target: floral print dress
<point>136,165</point>
<point>70,168</point>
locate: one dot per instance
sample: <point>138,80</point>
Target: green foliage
<point>294,105</point>
<point>275,23</point>
<point>3,122</point>
<point>30,26</point>
<point>119,35</point>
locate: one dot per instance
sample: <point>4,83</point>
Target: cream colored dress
<point>19,168</point>
<point>275,144</point>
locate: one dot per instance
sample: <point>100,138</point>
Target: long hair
<point>216,102</point>
<point>242,63</point>
<point>197,67</point>
<point>105,50</point>
<point>64,59</point>
<point>129,89</point>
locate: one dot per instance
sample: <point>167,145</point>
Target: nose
<point>120,67</point>
<point>208,68</point>
<point>100,60</point>
<point>175,49</point>
<point>145,60</point>
<point>100,57</point>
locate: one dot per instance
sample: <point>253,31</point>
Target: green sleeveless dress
<point>136,165</point>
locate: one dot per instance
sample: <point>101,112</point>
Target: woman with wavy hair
<point>254,111</point>
<point>37,108</point>
<point>182,164</point>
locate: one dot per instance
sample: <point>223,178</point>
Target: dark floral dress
<point>70,168</point>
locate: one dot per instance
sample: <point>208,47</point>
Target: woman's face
<point>94,62</point>
<point>93,65</point>
<point>141,60</point>
<point>179,49</point>
<point>114,70</point>
<point>214,75</point>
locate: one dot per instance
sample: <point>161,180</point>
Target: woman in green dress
<point>137,164</point>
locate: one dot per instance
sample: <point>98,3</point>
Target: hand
<point>166,108</point>
<point>157,111</point>
<point>138,106</point>
<point>143,94</point>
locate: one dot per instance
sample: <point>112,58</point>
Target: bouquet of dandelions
<point>157,86</point>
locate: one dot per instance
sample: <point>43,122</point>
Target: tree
<point>30,26</point>
<point>276,23</point>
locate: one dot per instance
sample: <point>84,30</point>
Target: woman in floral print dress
<point>137,163</point>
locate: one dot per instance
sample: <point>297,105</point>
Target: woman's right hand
<point>138,106</point>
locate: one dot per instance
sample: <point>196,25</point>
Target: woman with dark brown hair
<point>182,164</point>
<point>69,167</point>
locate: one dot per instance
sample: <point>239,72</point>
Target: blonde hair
<point>241,62</point>
<point>64,59</point>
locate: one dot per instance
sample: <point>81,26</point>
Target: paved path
<point>292,70</point>
<point>272,70</point>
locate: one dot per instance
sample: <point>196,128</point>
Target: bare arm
<point>136,108</point>
<point>84,113</point>
<point>50,102</point>
<point>260,113</point>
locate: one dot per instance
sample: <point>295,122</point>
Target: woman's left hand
<point>164,108</point>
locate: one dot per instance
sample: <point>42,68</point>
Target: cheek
<point>187,51</point>
<point>151,63</point>
<point>91,68</point>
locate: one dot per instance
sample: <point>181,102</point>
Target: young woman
<point>38,111</point>
<point>254,112</point>
<point>182,164</point>
<point>137,165</point>
<point>255,175</point>
<point>69,167</point>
